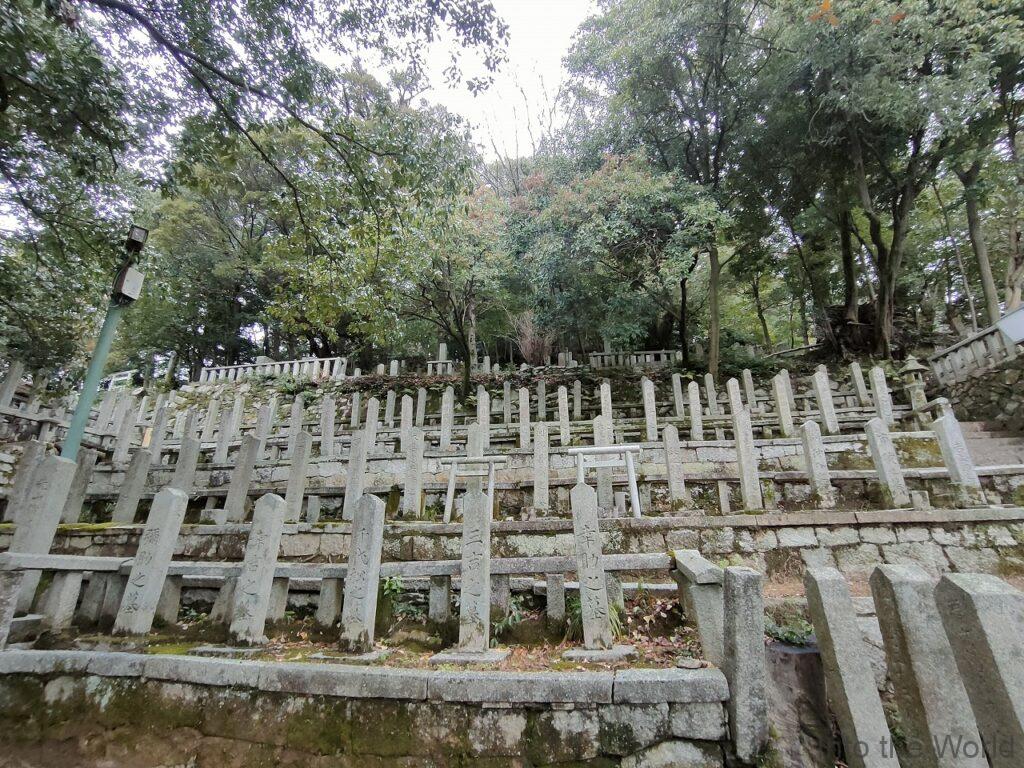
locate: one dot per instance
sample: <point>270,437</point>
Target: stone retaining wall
<point>779,545</point>
<point>996,396</point>
<point>90,708</point>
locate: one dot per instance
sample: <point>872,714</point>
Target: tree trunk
<point>969,180</point>
<point>755,289</point>
<point>960,262</point>
<point>684,347</point>
<point>714,320</point>
<point>850,302</point>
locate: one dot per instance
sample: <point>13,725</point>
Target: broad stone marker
<point>475,600</point>
<point>541,481</point>
<point>887,463</point>
<point>241,479</point>
<point>524,418</point>
<point>252,591</point>
<point>362,581</point>
<point>296,489</point>
<point>958,460</point>
<point>849,680</point>
<point>132,486</point>
<point>39,517</point>
<point>184,475</point>
<point>447,418</point>
<point>746,460</point>
<point>859,387</point>
<point>677,395</point>
<point>881,396</point>
<point>355,474</point>
<point>603,437</point>
<point>563,416</point>
<point>678,494</point>
<point>152,559</point>
<point>696,411</point>
<point>372,423</point>
<point>744,665</point>
<point>328,423</point>
<point>780,392</point>
<point>597,625</point>
<point>79,485</point>
<point>932,700</point>
<point>650,408</point>
<point>826,406</point>
<point>24,477</point>
<point>412,501</point>
<point>817,465</point>
<point>984,621</point>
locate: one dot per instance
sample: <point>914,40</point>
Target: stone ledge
<point>632,686</point>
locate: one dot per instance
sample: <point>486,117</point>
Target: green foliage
<point>796,631</point>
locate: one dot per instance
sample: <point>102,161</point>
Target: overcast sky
<point>540,33</point>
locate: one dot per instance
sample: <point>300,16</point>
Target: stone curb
<point>632,686</point>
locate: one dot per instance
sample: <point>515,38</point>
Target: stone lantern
<point>912,374</point>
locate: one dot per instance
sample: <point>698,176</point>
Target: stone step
<point>987,451</point>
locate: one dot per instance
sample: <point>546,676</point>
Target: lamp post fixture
<point>126,289</point>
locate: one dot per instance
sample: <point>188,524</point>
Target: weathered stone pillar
<point>389,409</point>
<point>678,494</point>
<point>412,502</point>
<point>696,411</point>
<point>849,681</point>
<point>555,594</point>
<point>603,438</point>
<point>421,407</point>
<point>880,394</point>
<point>132,487</point>
<point>577,400</point>
<point>677,395</point>
<point>542,400</point>
<point>371,425</point>
<point>933,703</point>
<point>826,406</point>
<point>650,408</point>
<point>58,603</point>
<point>957,458</point>
<point>328,425</point>
<point>447,418</point>
<point>541,500</point>
<point>328,607</point>
<point>744,664</point>
<point>817,465</point>
<point>79,486</point>
<point>251,600</point>
<point>887,464</point>
<point>356,408</point>
<point>355,472</point>
<point>241,479</point>
<point>780,392</point>
<point>859,387</point>
<point>295,491</point>
<point>39,517</point>
<point>483,415</point>
<point>152,559</point>
<point>524,418</point>
<point>748,390</point>
<point>746,461</point>
<point>295,420</point>
<point>10,382</point>
<point>984,621</point>
<point>563,416</point>
<point>597,627</point>
<point>606,399</point>
<point>405,421</point>
<point>439,604</point>
<point>24,477</point>
<point>475,600</point>
<point>220,451</point>
<point>210,421</point>
<point>184,475</point>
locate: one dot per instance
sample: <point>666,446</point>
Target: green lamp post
<point>127,288</point>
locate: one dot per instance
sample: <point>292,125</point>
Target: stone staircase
<point>991,444</point>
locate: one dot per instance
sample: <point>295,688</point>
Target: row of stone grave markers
<point>220,432</point>
<point>254,593</point>
<point>962,472</point>
<point>953,653</point>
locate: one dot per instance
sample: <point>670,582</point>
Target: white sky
<point>540,33</point>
